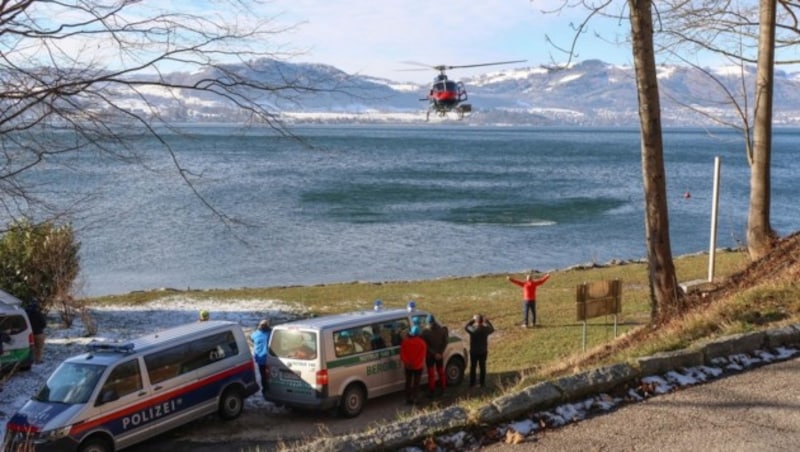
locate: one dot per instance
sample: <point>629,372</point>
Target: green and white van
<point>340,361</point>
<point>18,353</point>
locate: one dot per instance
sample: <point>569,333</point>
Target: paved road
<point>758,410</point>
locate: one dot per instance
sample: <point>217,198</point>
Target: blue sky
<point>375,37</point>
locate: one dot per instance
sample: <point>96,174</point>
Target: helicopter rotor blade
<point>444,67</point>
<point>482,64</point>
<point>420,65</point>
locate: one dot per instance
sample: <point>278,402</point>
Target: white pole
<point>714,208</point>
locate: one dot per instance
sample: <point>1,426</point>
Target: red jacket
<point>529,287</point>
<point>412,352</point>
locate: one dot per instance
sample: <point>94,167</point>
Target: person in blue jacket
<point>260,339</point>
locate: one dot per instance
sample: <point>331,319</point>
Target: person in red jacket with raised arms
<point>529,296</point>
<point>412,354</point>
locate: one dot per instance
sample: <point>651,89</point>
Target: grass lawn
<point>514,350</point>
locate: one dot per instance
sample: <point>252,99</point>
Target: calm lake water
<point>378,203</point>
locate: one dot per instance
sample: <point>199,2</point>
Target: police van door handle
<point>156,388</point>
<point>141,393</point>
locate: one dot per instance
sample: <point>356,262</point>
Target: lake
<point>383,203</point>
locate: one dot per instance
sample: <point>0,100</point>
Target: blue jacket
<point>260,343</point>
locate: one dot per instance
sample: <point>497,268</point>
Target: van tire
<point>454,371</point>
<point>352,401</point>
<point>231,404</point>
<point>96,444</point>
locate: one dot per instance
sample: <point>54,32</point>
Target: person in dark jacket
<point>38,324</point>
<point>479,328</point>
<point>435,336</point>
<point>412,355</point>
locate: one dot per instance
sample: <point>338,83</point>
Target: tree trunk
<point>760,236</point>
<point>663,283</point>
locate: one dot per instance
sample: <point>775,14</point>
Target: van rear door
<point>296,374</point>
<point>16,352</point>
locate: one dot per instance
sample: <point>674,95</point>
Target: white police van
<point>340,361</point>
<point>118,394</point>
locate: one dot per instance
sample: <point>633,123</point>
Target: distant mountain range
<point>591,93</point>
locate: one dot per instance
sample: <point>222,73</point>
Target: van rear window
<point>293,344</point>
<point>13,324</point>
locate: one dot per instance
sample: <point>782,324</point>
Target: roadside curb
<point>544,395</point>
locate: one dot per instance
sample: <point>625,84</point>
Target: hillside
<point>765,294</point>
<point>589,93</point>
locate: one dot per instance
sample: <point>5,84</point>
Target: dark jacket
<point>435,336</point>
<point>38,321</point>
<point>479,336</point>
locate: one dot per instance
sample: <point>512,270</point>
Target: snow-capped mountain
<point>591,93</point>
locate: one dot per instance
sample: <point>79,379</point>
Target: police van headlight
<point>54,434</point>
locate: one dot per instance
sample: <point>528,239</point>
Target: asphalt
<point>756,410</point>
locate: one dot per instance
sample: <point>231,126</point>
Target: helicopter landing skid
<point>460,111</point>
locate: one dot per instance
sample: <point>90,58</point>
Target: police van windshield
<point>293,344</point>
<point>71,383</point>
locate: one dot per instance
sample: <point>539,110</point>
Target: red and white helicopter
<point>446,95</point>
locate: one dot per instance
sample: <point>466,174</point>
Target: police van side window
<point>361,339</point>
<point>343,343</point>
<point>123,380</point>
<point>393,332</point>
<point>184,358</point>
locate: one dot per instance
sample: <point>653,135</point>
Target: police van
<point>16,330</point>
<point>118,394</point>
<point>340,361</point>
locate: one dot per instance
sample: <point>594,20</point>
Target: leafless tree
<point>746,34</point>
<point>665,296</point>
<point>760,236</point>
<point>77,74</point>
<point>663,282</point>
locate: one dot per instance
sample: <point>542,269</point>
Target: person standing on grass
<point>479,329</point>
<point>529,296</point>
<point>260,338</point>
<point>412,355</point>
<point>435,336</point>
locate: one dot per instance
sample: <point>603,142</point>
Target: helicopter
<point>446,95</point>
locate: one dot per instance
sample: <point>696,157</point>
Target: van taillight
<point>322,377</point>
<point>30,340</point>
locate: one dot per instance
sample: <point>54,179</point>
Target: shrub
<point>40,261</point>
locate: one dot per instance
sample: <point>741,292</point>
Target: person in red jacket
<point>412,355</point>
<point>529,296</point>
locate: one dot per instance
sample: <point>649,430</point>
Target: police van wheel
<point>230,404</point>
<point>352,401</point>
<point>96,444</point>
<point>454,370</point>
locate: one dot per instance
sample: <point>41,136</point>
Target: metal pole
<point>584,335</point>
<point>714,210</point>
